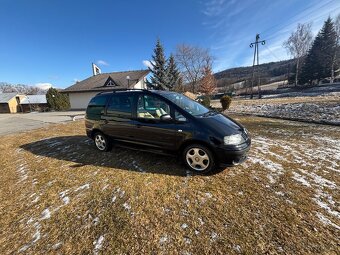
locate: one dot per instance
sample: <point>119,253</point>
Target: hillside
<point>268,72</point>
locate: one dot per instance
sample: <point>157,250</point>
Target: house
<point>34,103</point>
<point>81,92</point>
<point>10,102</point>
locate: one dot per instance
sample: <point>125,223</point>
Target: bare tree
<point>299,43</point>
<point>191,61</point>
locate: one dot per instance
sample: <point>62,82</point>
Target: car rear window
<point>96,107</point>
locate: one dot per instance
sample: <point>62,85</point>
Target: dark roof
<point>97,82</point>
<point>5,97</point>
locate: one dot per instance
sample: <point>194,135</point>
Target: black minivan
<point>167,123</point>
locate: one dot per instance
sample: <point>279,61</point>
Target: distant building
<point>34,103</point>
<point>10,102</point>
<point>81,92</point>
<point>14,102</point>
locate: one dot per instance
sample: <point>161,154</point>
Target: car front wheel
<point>198,158</point>
<point>101,141</point>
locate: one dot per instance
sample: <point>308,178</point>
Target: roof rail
<point>118,90</point>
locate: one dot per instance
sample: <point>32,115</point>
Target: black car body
<point>168,123</point>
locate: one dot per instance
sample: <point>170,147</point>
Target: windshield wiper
<point>210,113</point>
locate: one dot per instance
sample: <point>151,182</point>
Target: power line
<point>292,17</point>
<point>272,53</point>
<point>306,21</point>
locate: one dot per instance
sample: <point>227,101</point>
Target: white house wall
<point>80,100</point>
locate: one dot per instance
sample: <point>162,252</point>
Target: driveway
<point>14,123</point>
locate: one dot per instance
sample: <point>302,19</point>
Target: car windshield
<point>187,104</point>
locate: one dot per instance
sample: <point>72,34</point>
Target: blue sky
<point>54,41</point>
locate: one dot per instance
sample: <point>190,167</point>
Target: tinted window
<point>120,105</point>
<point>96,107</point>
<point>151,107</point>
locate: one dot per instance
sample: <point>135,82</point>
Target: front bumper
<point>229,156</point>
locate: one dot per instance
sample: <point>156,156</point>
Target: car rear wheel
<point>102,142</point>
<point>198,158</point>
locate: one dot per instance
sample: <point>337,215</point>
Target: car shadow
<point>82,152</point>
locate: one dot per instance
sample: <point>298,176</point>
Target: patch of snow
<point>57,246</point>
<point>324,205</point>
<point>46,214</point>
<point>213,236</point>
<point>163,239</point>
<point>98,244</point>
<point>113,199</point>
<point>201,221</point>
<point>187,240</point>
<point>326,221</point>
<point>301,179</point>
<point>85,186</point>
<point>126,206</point>
<point>36,199</point>
<point>64,197</point>
<point>184,226</point>
<point>105,187</point>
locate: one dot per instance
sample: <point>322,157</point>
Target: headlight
<point>233,139</point>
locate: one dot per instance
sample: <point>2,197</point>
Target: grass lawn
<point>60,195</point>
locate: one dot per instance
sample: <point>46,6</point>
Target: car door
<point>149,129</point>
<point>119,123</point>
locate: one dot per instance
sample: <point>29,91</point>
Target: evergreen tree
<point>57,101</point>
<point>208,82</point>
<point>159,79</point>
<point>320,57</point>
<point>172,72</point>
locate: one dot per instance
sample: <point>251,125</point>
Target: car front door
<point>150,130</point>
<point>119,123</point>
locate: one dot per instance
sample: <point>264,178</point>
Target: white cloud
<point>102,63</point>
<point>147,63</point>
<point>43,85</point>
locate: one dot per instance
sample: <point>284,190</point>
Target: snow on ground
<point>98,244</point>
<point>315,157</point>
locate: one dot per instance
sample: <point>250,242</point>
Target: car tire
<point>101,142</point>
<point>198,158</point>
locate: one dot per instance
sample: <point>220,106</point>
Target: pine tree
<point>159,79</point>
<point>320,57</point>
<point>172,72</point>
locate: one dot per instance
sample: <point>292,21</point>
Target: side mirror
<point>166,118</point>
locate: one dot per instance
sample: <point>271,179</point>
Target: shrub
<point>206,101</point>
<point>225,102</point>
<point>57,101</point>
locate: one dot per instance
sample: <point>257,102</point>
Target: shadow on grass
<point>81,150</point>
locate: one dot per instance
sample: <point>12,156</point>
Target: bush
<point>225,102</point>
<point>57,101</point>
<point>206,101</point>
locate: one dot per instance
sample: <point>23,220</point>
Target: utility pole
<point>256,55</point>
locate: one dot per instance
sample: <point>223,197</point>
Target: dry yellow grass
<point>60,195</point>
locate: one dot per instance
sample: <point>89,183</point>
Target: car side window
<point>120,105</point>
<point>179,117</point>
<point>96,107</point>
<point>151,107</point>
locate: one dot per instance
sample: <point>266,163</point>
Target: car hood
<point>221,124</point>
